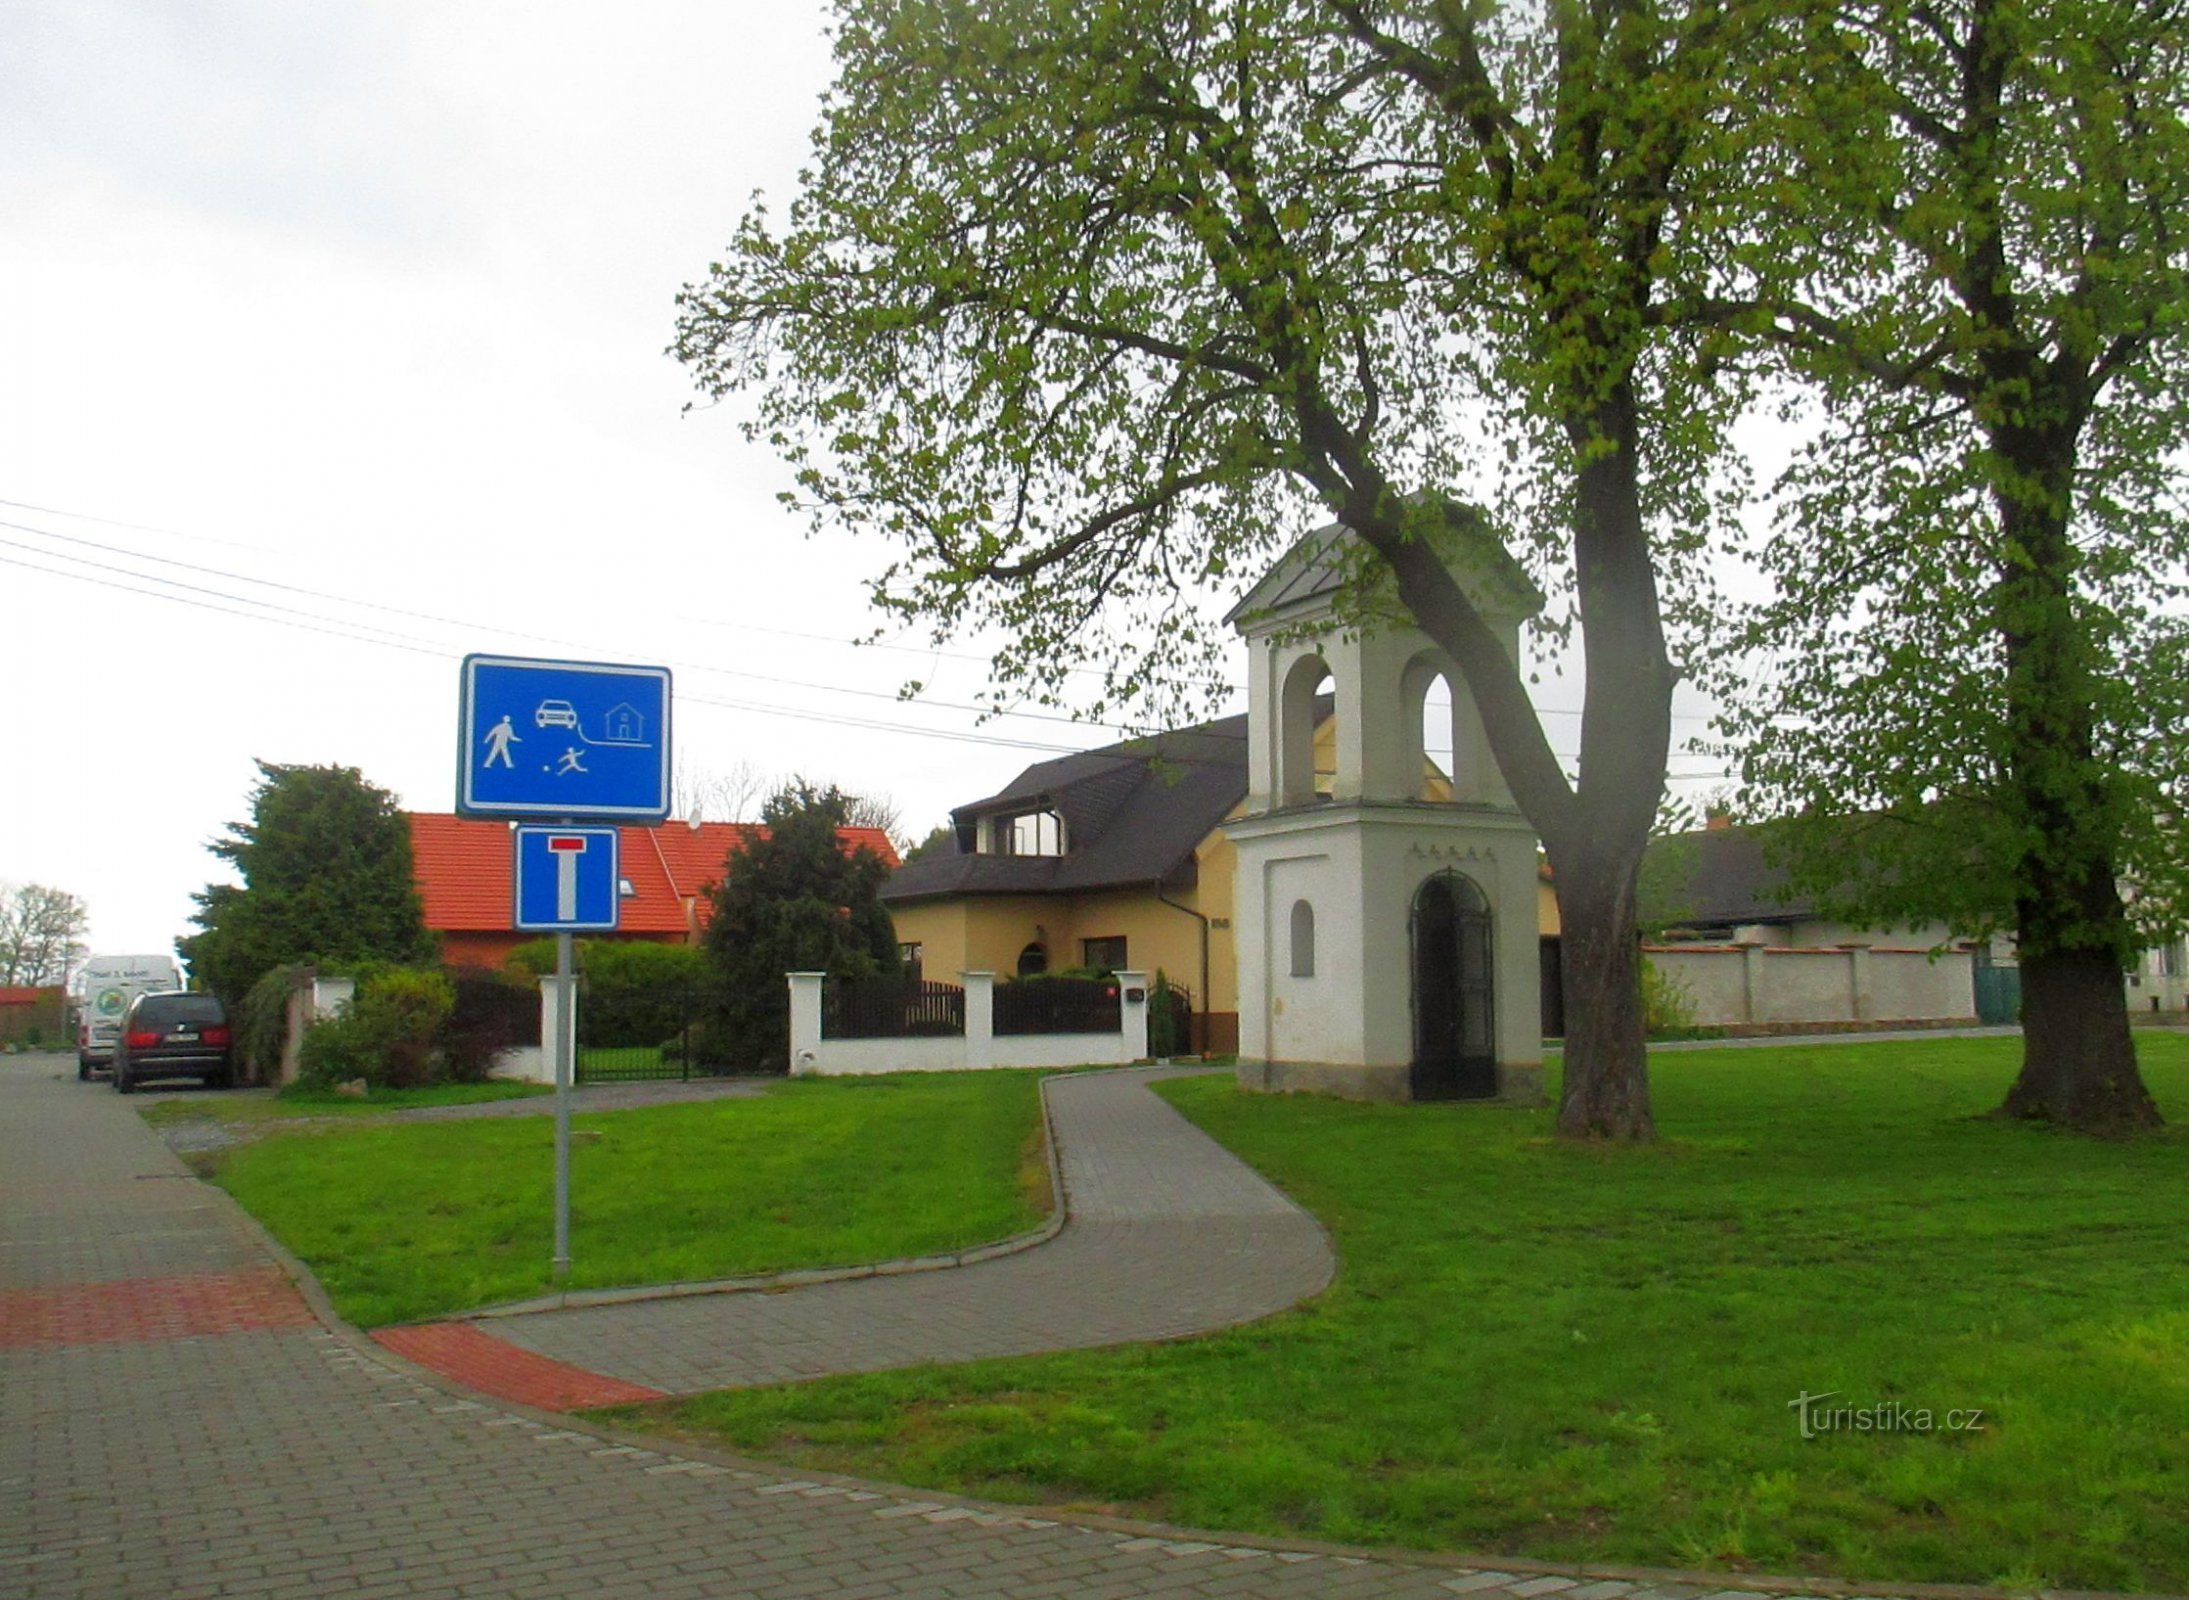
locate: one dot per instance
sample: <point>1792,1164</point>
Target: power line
<point>444,653</point>
<point>343,628</point>
<point>458,622</point>
<point>108,582</point>
<point>932,652</point>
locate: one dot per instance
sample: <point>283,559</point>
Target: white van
<point>110,983</point>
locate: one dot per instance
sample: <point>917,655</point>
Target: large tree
<point>1086,305</point>
<point>41,933</point>
<point>793,900</point>
<point>1981,703</point>
<point>327,876</point>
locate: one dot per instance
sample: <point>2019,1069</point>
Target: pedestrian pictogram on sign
<point>579,739</point>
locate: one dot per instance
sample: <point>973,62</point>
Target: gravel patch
<point>209,1133</point>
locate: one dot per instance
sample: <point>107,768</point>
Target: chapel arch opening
<point>1429,728</point>
<point>1308,703</point>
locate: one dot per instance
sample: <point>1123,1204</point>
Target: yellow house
<point>1109,859</point>
<point>1112,858</point>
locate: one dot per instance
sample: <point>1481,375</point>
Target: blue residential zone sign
<point>563,739</point>
<point>566,879</point>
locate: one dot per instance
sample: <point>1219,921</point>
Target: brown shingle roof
<point>1133,814</point>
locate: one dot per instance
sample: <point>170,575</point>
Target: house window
<point>1034,958</point>
<point>2170,960</point>
<point>1102,955</point>
<point>1303,939</point>
<point>908,957</point>
<point>1027,833</point>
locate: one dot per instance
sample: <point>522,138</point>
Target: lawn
<point>1593,1354</point>
<point>404,1221</point>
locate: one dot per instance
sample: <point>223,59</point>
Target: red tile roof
<point>463,871</point>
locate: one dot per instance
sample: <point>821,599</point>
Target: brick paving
<point>460,1351</point>
<point>294,1460</point>
<point>149,1308</point>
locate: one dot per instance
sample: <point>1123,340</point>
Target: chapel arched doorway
<point>1455,1033</point>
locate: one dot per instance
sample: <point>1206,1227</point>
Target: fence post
<point>980,1018</point>
<point>1863,998</point>
<point>805,1021</point>
<point>1132,1015</point>
<point>550,1013</point>
<point>1751,941</point>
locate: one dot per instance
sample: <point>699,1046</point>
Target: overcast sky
<point>331,349</point>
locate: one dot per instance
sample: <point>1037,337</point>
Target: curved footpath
<point>1166,1234</point>
<point>177,1422</point>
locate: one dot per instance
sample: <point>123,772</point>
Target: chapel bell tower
<point>1385,910</point>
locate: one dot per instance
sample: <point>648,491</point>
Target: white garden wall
<point>980,1046</point>
<point>1767,986</point>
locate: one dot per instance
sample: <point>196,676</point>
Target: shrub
<point>389,1034</point>
<point>792,901</point>
<point>262,1021</point>
<point>535,958</point>
<point>493,1012</point>
<point>637,992</point>
<point>1668,1009</point>
<point>1169,1011</point>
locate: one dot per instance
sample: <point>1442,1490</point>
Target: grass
<point>411,1220</point>
<point>635,1061</point>
<point>1573,1353</point>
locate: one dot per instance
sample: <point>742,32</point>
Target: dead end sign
<point>566,880</point>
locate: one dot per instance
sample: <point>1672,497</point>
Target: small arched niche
<point>1303,939</point>
<point>1307,734</point>
<point>1033,959</point>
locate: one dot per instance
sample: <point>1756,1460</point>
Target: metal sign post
<point>564,880</point>
<point>566,1051</point>
<point>556,741</point>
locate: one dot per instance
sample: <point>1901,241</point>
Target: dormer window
<point>1037,832</point>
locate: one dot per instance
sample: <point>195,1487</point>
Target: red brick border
<point>494,1366</point>
<point>135,1310</point>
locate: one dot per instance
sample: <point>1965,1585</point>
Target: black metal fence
<point>1058,1005</point>
<point>1170,1019</point>
<point>638,1034</point>
<point>891,1008</point>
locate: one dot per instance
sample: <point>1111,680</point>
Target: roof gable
<point>1313,573</point>
<point>1134,813</point>
<point>1713,876</point>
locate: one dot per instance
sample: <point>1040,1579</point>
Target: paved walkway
<point>1168,1234</point>
<point>175,1424</point>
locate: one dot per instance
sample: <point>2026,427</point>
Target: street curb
<point>799,1278</point>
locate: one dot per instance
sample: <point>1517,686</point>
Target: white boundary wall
<point>1754,984</point>
<point>981,1046</point>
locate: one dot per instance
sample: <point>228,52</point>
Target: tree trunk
<point>1604,1093</point>
<point>2078,1057</point>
